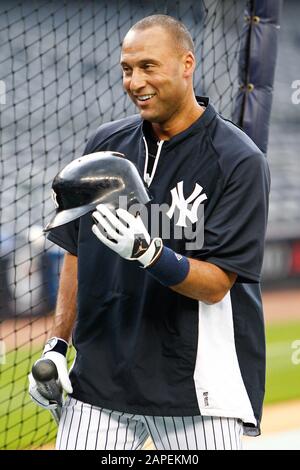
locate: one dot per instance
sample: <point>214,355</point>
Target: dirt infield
<point>279,417</point>
<point>25,332</point>
<point>281,306</point>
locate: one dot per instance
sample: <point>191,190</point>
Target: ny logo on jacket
<point>178,200</point>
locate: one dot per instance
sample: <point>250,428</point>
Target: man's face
<point>153,73</point>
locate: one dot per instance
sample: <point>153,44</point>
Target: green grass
<point>23,424</point>
<point>283,376</point>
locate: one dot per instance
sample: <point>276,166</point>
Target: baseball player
<point>168,332</point>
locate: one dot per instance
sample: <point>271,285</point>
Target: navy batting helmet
<point>98,178</point>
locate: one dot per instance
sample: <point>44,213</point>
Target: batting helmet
<point>98,178</point>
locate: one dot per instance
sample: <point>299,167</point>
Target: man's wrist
<point>57,345</point>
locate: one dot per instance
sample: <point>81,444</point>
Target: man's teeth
<point>144,97</point>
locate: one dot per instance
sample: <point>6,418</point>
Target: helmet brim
<point>68,215</point>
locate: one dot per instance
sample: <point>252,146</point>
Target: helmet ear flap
<point>97,178</point>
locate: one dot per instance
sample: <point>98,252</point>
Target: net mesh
<point>60,79</point>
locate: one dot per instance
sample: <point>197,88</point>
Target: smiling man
<point>158,63</point>
<point>169,338</point>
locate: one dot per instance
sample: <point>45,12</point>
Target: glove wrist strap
<point>57,345</point>
<point>152,253</point>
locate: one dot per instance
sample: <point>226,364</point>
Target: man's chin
<point>150,116</point>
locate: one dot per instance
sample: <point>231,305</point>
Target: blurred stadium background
<point>59,80</point>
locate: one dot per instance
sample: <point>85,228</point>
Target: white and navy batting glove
<point>55,349</point>
<point>126,234</point>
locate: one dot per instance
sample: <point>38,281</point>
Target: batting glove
<point>55,350</point>
<point>126,235</point>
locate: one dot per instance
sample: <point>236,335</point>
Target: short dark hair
<point>175,28</point>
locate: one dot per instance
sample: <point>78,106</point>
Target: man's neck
<point>181,122</point>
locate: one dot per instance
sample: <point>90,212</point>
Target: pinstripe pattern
<point>87,433</point>
<point>229,433</point>
<point>175,432</point>
<point>78,432</point>
<point>83,426</point>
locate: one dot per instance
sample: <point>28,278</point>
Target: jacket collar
<point>200,124</point>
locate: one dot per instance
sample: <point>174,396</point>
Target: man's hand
<point>126,235</point>
<point>59,358</point>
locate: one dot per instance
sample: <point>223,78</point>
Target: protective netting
<point>60,79</point>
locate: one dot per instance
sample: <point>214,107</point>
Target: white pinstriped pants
<point>83,426</point>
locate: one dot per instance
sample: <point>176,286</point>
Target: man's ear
<point>189,63</point>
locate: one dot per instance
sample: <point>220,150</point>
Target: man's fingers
<point>106,226</point>
<point>136,223</point>
<point>37,397</point>
<point>64,380</point>
<point>125,216</point>
<point>42,401</point>
<point>103,238</point>
<point>115,222</point>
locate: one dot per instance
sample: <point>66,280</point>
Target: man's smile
<point>143,98</point>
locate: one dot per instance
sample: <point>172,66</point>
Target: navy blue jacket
<point>145,349</point>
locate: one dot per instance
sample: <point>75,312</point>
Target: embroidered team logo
<point>178,200</point>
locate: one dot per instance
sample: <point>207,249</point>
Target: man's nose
<point>137,81</point>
